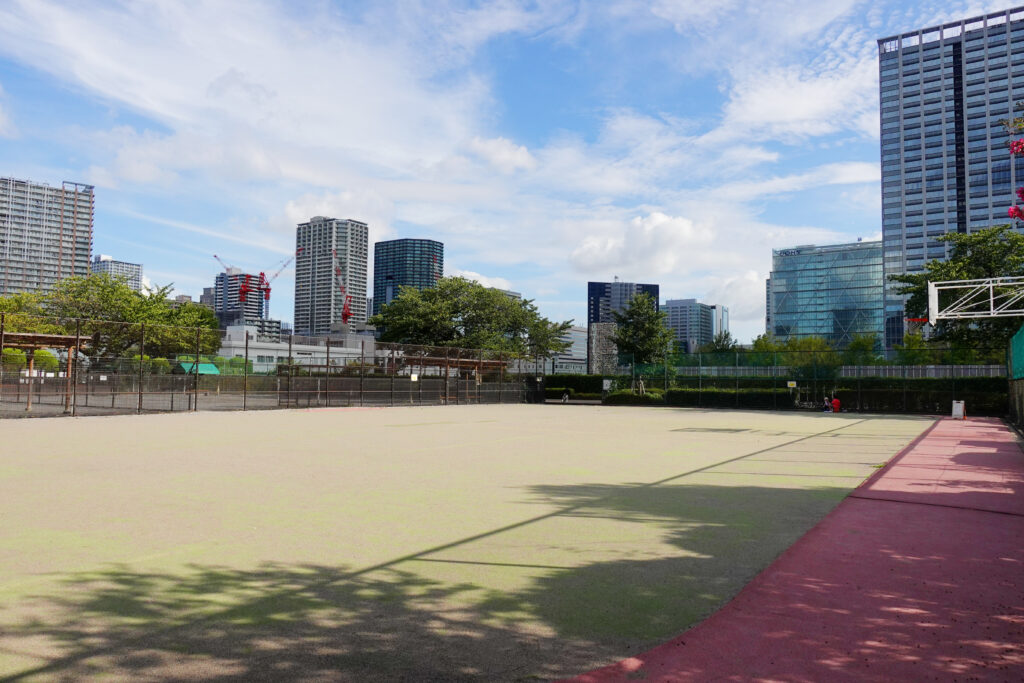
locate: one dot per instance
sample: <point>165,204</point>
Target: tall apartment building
<point>719,319</point>
<point>45,234</point>
<point>330,274</point>
<point>237,298</point>
<point>692,323</point>
<point>828,291</point>
<point>603,299</point>
<point>131,272</point>
<point>945,162</point>
<point>404,263</point>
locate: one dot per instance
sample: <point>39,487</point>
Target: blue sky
<point>545,143</point>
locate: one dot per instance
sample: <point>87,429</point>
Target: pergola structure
<point>32,341</point>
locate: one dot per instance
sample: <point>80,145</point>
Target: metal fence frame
<point>333,374</point>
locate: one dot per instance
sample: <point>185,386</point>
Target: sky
<point>546,143</point>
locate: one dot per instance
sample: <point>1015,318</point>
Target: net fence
<point>53,366</point>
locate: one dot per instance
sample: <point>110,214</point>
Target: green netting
<point>1016,355</point>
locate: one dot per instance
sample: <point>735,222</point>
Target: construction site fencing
<point>54,366</point>
<point>806,380</point>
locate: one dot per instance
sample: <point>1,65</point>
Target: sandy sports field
<point>438,543</point>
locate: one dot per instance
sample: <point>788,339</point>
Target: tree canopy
<point>460,313</point>
<point>721,343</point>
<point>111,312</point>
<point>992,252</point>
<point>642,332</point>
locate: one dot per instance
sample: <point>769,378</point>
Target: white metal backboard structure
<point>997,297</point>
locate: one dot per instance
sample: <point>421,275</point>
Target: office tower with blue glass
<point>830,292</point>
<point>404,263</point>
<point>946,168</point>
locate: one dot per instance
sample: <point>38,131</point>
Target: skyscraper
<point>404,263</point>
<point>829,291</point>
<point>330,274</point>
<point>237,297</point>
<point>692,323</point>
<point>131,272</point>
<point>604,298</point>
<point>45,234</point>
<point>945,162</point>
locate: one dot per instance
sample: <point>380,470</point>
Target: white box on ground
<point>958,410</point>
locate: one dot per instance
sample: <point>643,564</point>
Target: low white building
<point>267,352</point>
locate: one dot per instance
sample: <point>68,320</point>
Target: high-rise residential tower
<point>237,296</point>
<point>330,274</point>
<point>945,162</point>
<point>404,263</point>
<point>131,272</point>
<point>45,234</point>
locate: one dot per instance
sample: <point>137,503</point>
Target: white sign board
<point>606,384</point>
<point>414,378</point>
<point>958,410</point>
<point>791,384</point>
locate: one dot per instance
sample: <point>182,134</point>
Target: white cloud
<point>503,154</point>
<point>656,240</point>
<point>498,282</point>
<point>7,129</point>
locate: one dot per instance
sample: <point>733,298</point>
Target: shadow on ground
<point>394,622</point>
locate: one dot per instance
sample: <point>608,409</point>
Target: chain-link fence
<point>807,379</point>
<point>54,366</point>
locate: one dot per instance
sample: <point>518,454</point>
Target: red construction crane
<point>346,308</point>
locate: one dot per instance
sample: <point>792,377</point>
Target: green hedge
<point>556,392</point>
<point>585,383</point>
<point>628,398</point>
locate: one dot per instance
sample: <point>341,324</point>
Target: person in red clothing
<point>835,405</point>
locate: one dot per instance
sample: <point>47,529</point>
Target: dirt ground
<point>510,542</point>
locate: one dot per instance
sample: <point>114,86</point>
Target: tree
<point>13,360</point>
<point>722,343</point>
<point>642,333</point>
<point>810,357</point>
<point>460,313</point>
<point>913,351</point>
<point>112,314</point>
<point>992,252</point>
<point>863,349</point>
<point>45,361</point>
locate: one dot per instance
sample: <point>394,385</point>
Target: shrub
<point>629,398</point>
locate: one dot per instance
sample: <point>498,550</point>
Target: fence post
<point>195,367</point>
<point>31,375</point>
<point>775,380</point>
<point>362,367</point>
<point>393,368</point>
<point>736,376</point>
<point>480,376</point>
<point>289,394</point>
<point>74,384</point>
<point>700,379</point>
<point>327,393</point>
<point>904,388</point>
<point>501,373</point>
<point>142,356</point>
<point>245,373</point>
<point>447,351</point>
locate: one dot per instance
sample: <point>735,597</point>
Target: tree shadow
<point>398,622</point>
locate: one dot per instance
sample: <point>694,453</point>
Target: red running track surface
<point>917,576</point>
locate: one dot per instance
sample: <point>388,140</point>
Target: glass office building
<point>945,163</point>
<point>833,292</point>
<point>404,263</point>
